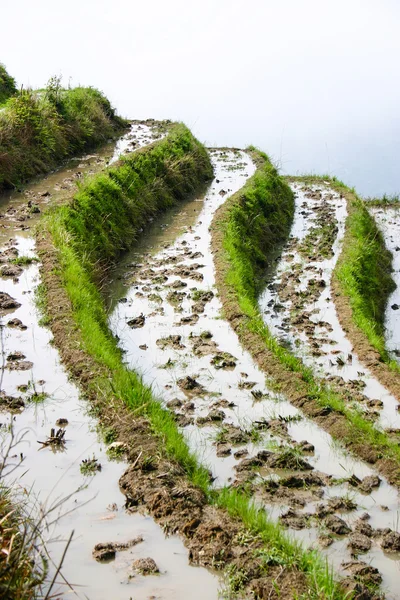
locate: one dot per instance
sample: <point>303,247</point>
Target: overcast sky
<point>314,83</point>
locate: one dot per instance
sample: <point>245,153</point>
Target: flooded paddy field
<point>57,452</point>
<point>165,310</point>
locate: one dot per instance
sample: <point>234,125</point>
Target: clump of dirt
<point>19,365</point>
<point>16,324</point>
<point>337,525</point>
<point>224,360</point>
<point>11,403</point>
<point>294,519</point>
<point>201,300</point>
<point>391,542</point>
<point>145,566</point>
<point>214,416</point>
<point>7,302</point>
<point>106,551</point>
<point>203,344</point>
<point>11,271</point>
<point>189,384</point>
<point>172,341</point>
<point>359,543</point>
<point>137,322</point>
<point>363,573</point>
<point>189,320</point>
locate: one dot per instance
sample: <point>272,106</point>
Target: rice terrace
<point>200,365</point>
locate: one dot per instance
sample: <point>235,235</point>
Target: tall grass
<point>39,129</point>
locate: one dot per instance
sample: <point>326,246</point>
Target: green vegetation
<point>364,272</point>
<point>103,219</point>
<point>39,129</point>
<point>278,548</point>
<point>7,85</point>
<point>259,220</point>
<point>22,566</point>
<point>23,261</point>
<point>384,201</point>
<point>243,253</point>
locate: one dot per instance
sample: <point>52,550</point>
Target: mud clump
<point>302,481</point>
<point>137,322</point>
<point>289,460</point>
<point>16,324</point>
<point>189,384</point>
<point>17,355</point>
<point>11,403</point>
<point>10,271</point>
<point>172,341</point>
<point>19,365</point>
<point>214,416</point>
<point>363,573</point>
<point>391,542</point>
<point>201,299</point>
<point>145,566</point>
<point>224,360</point>
<point>359,543</point>
<point>7,302</point>
<point>105,551</point>
<point>295,520</point>
<point>203,344</point>
<point>337,525</point>
<point>189,320</point>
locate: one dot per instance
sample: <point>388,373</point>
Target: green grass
<point>23,261</point>
<point>278,548</point>
<point>39,129</point>
<point>102,220</point>
<point>247,250</point>
<point>364,273</point>
<point>385,201</point>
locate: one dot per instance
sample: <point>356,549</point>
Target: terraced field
<point>220,391</point>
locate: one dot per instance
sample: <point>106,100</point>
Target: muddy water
<point>388,220</point>
<point>91,506</point>
<point>298,307</point>
<point>165,310</point>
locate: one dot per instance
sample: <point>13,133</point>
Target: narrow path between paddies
<point>167,316</point>
<point>388,220</point>
<point>59,455</point>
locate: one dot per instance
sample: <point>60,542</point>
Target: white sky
<point>314,83</point>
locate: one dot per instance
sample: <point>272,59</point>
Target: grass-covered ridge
<point>7,85</point>
<point>364,271</point>
<point>77,243</point>
<point>40,129</point>
<point>239,276</point>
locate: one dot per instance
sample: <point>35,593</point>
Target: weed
<point>24,261</point>
<point>90,466</point>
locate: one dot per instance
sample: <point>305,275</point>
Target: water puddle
<point>165,309</point>
<point>388,220</point>
<point>36,386</point>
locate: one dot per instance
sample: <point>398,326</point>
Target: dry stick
<point>59,565</point>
